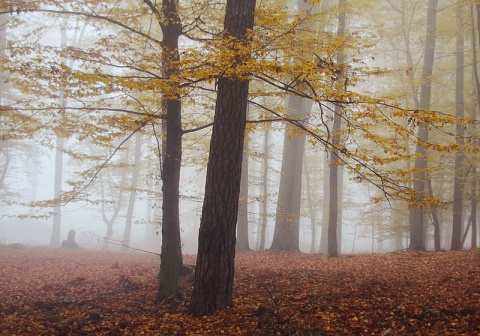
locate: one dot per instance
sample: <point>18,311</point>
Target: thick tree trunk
<point>216,243</point>
<point>459,173</point>
<point>171,255</point>
<point>416,215</point>
<point>242,226</point>
<point>287,220</point>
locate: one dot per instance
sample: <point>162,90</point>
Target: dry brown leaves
<point>54,292</point>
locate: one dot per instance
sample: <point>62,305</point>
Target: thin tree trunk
<point>133,193</point>
<point>325,208</point>
<point>311,209</point>
<point>336,136</point>
<point>473,115</point>
<point>435,220</point>
<point>459,173</point>
<point>214,273</point>
<point>117,206</point>
<point>474,205</point>
<point>264,218</point>
<point>57,189</point>
<point>57,183</point>
<point>465,234</point>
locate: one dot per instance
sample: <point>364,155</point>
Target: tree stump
<point>70,242</point>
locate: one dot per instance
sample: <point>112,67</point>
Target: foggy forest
<point>239,167</point>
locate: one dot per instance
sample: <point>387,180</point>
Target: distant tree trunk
<point>242,226</point>
<point>57,189</point>
<point>416,215</point>
<point>474,205</point>
<point>171,261</point>
<point>473,115</point>
<point>60,143</point>
<point>435,220</point>
<point>336,135</point>
<point>398,234</point>
<point>133,193</point>
<point>4,18</point>
<point>264,218</point>
<point>459,173</point>
<point>287,219</point>
<point>58,177</point>
<point>325,208</point>
<point>153,236</point>
<point>216,243</point>
<point>117,206</point>
<point>340,176</point>
<point>311,210</point>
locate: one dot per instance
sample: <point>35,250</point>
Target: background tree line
<point>380,94</point>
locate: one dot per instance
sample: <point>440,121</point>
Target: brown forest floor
<point>55,292</point>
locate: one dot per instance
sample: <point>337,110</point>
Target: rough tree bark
<point>171,255</point>
<point>216,243</point>
<point>242,226</point>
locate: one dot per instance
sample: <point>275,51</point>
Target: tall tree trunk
<point>459,173</point>
<point>242,226</point>
<point>4,151</point>
<point>57,189</point>
<point>287,219</point>
<point>311,210</point>
<point>336,136</point>
<point>57,182</point>
<point>133,193</point>
<point>60,142</point>
<point>325,207</point>
<point>416,215</point>
<point>216,243</point>
<point>264,218</point>
<point>171,261</point>
<point>473,115</point>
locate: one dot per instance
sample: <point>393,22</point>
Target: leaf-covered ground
<point>56,292</point>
